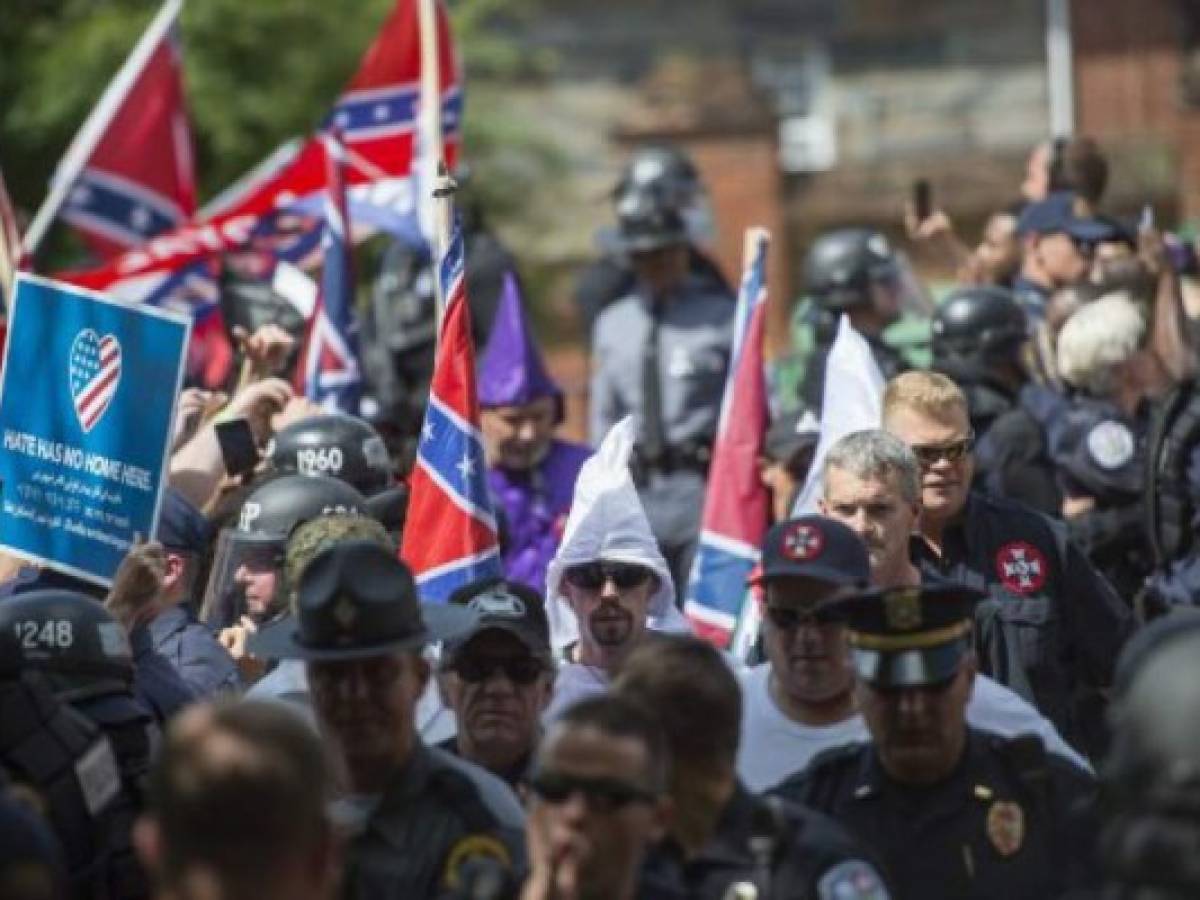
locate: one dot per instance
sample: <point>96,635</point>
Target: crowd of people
<point>975,673</point>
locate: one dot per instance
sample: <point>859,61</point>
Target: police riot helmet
<point>842,265</point>
<point>73,639</point>
<point>982,322</point>
<point>258,538</point>
<point>660,168</point>
<point>646,222</point>
<point>272,511</point>
<point>1151,776</point>
<point>339,445</point>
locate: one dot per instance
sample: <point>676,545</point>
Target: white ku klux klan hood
<point>607,522</point>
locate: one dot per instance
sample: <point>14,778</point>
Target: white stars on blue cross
<point>453,456</point>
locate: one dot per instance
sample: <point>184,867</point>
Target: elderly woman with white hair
<point>1099,445</point>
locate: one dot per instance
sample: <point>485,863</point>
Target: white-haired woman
<point>1098,446</point>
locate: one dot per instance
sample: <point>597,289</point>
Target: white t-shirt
<point>774,746</point>
<point>573,683</point>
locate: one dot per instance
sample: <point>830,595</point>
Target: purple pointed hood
<point>511,372</point>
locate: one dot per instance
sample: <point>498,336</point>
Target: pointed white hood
<point>607,522</point>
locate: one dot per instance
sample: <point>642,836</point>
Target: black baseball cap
<point>815,547</point>
<point>507,606</point>
<point>181,526</point>
<point>910,636</point>
<point>357,600</point>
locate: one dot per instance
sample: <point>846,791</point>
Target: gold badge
<point>473,846</point>
<point>902,609</point>
<point>1006,826</point>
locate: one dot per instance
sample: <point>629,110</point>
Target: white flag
<point>853,401</point>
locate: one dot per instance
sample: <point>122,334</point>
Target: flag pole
<point>433,177</point>
<point>93,128</point>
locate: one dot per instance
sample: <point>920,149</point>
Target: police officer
<point>1172,501</point>
<point>664,171</point>
<point>345,447</point>
<point>65,761</point>
<point>952,811</point>
<point>400,328</point>
<point>1152,812</point>
<point>84,654</point>
<point>245,579</point>
<point>661,354</point>
<point>979,338</point>
<point>852,271</point>
<point>1060,622</point>
<point>416,815</point>
<point>723,841</point>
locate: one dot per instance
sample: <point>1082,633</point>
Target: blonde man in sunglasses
<point>1052,625</point>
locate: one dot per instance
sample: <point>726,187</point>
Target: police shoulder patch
<point>473,846</point>
<point>1110,444</point>
<point>852,879</point>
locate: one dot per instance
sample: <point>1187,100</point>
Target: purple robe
<point>534,507</point>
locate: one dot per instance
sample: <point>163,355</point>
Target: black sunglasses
<point>603,794</point>
<point>591,576</point>
<point>517,669</point>
<point>929,454</point>
<point>787,618</point>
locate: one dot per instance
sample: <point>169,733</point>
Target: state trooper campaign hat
<point>910,636</point>
<point>815,547</point>
<point>505,606</point>
<point>356,600</point>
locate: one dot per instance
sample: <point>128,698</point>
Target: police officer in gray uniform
<point>661,353</point>
<point>421,821</point>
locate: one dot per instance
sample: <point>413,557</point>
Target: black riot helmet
<point>663,169</point>
<point>1151,777</point>
<point>70,637</point>
<point>272,511</point>
<point>646,222</point>
<point>979,321</point>
<point>258,539</point>
<point>338,445</point>
<point>842,265</point>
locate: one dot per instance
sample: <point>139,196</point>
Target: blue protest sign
<point>87,402</point>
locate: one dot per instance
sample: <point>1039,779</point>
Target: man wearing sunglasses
<point>953,812</point>
<point>1057,615</point>
<point>611,601</point>
<point>498,678</point>
<point>800,702</point>
<point>597,802</point>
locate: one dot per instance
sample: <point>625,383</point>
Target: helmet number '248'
<point>318,460</point>
<point>36,635</point>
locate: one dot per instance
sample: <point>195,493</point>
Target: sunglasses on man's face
<point>787,618</point>
<point>523,670</point>
<point>591,576</point>
<point>930,454</point>
<point>603,795</point>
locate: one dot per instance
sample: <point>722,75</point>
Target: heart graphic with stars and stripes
<point>95,372</point>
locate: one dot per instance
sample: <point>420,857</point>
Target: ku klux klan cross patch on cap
<point>95,372</point>
<point>803,542</point>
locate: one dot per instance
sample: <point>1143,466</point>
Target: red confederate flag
<point>450,532</point>
<point>377,118</point>
<point>130,166</point>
